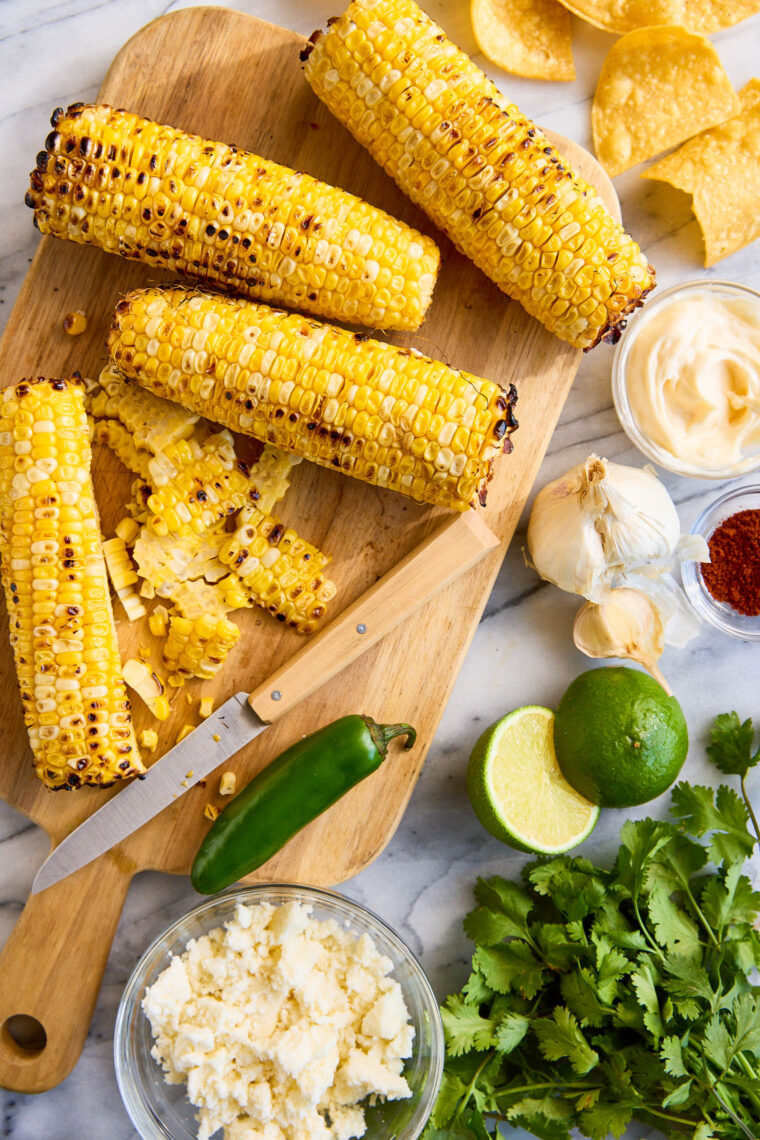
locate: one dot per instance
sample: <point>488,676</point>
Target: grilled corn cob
<point>275,569</point>
<point>482,172</point>
<point>61,626</point>
<point>380,413</point>
<point>149,192</point>
<point>198,648</point>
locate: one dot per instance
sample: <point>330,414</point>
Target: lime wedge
<point>517,790</point>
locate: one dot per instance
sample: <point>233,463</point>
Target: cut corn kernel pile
<point>383,414</point>
<point>144,190</point>
<point>56,589</point>
<point>198,648</point>
<point>484,173</point>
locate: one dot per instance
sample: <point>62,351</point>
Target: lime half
<point>517,790</point>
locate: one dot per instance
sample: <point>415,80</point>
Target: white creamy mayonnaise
<point>693,381</point>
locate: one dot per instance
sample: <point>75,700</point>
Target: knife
<point>453,548</point>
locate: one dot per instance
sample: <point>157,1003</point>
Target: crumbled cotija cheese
<point>280,1024</point>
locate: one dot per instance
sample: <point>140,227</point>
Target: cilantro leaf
<point>644,981</point>
<point>575,886</point>
<point>717,1040</point>
<point>510,1032</point>
<point>702,811</point>
<point>579,992</point>
<point>511,966</point>
<point>465,1029</point>
<point>450,1093</point>
<point>487,927</point>
<point>679,1094</point>
<point>730,747</point>
<point>475,991</point>
<point>604,1118</point>
<point>561,1037</point>
<point>673,927</point>
<point>728,899</point>
<point>671,1052</point>
<point>506,900</point>
<point>747,1033</point>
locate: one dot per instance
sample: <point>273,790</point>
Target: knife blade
<point>453,548</point>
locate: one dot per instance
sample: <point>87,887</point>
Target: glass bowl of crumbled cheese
<point>278,1011</point>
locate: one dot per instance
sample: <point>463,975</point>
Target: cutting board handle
<point>450,550</point>
<point>50,972</point>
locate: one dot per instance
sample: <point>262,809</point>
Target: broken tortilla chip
<point>525,37</point>
<point>704,16</point>
<point>721,170</point>
<point>658,87</point>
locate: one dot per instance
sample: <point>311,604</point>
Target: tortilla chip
<point>721,170</point>
<point>526,37</point>
<point>658,87</point>
<point>704,16</point>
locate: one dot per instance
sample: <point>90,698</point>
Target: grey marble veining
<point>57,51</point>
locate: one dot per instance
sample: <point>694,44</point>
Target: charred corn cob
<point>380,413</point>
<point>61,626</point>
<point>198,648</point>
<point>149,192</point>
<point>152,423</point>
<point>483,172</point>
<point>275,569</point>
<point>114,435</point>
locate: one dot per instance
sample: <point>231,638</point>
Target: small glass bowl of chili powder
<point>726,590</point>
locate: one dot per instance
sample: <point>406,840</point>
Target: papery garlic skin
<point>602,521</point>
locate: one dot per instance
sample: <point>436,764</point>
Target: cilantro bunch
<point>598,997</point>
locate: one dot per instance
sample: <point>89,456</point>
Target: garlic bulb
<point>626,625</point>
<point>601,521</point>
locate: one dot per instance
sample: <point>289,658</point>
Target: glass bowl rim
<point>629,424</point>
<point>699,596</point>
<point>129,1089</point>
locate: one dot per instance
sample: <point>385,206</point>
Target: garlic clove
<point>679,620</point>
<point>626,625</point>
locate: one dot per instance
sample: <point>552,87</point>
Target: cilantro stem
<point>701,917</point>
<point>752,815</point>
<point>538,1085</point>
<point>749,1072</point>
<point>468,1091</point>
<point>657,949</point>
<point>668,1116</point>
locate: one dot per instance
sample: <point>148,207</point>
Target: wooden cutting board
<point>229,76</point>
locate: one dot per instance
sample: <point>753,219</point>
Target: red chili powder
<point>733,573</point>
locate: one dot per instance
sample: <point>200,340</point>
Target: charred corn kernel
<point>271,474</point>
<point>197,485</point>
<point>147,685</point>
<point>275,569</point>
<point>115,435</point>
<point>149,739</point>
<point>127,530</point>
<point>123,576</point>
<point>227,784</point>
<point>205,707</point>
<point>175,680</point>
<point>480,169</point>
<point>137,505</point>
<point>158,621</point>
<point>146,191</point>
<point>379,413</point>
<point>62,631</point>
<point>152,423</point>
<point>183,732</point>
<point>198,648</point>
<point>211,812</point>
<point>75,323</point>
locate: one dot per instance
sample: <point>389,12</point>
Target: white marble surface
<point>57,51</point>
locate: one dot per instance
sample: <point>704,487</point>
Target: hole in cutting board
<point>26,1032</point>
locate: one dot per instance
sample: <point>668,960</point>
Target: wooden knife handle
<point>456,546</point>
<point>51,969</point>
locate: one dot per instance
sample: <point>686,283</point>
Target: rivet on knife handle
<point>458,544</point>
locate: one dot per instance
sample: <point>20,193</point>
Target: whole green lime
<point>619,738</point>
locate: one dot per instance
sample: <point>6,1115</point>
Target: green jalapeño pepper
<point>294,789</point>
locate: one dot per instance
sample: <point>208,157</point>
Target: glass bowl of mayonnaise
<point>686,379</point>
<point>278,1009</point>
